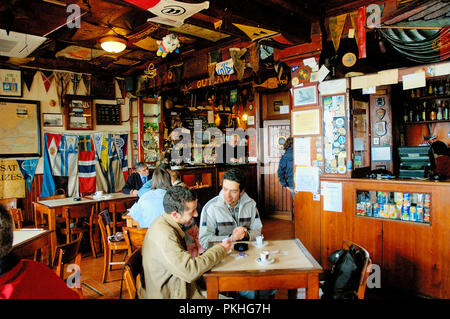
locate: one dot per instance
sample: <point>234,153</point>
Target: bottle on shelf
<point>439,110</point>
<point>445,111</point>
<point>430,89</point>
<point>432,116</point>
<point>411,113</point>
<point>424,112</point>
<point>405,113</point>
<point>417,113</point>
<point>441,89</point>
<point>435,88</point>
<point>447,87</point>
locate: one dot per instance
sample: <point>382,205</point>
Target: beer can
<point>376,209</point>
<point>405,212</point>
<point>406,199</point>
<point>412,213</point>
<point>373,196</point>
<point>398,211</point>
<point>427,200</point>
<point>360,209</point>
<point>426,214</point>
<point>398,198</point>
<point>392,211</point>
<point>368,209</point>
<point>420,199</point>
<point>419,214</point>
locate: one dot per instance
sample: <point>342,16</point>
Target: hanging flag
<point>48,184</point>
<point>145,4</point>
<point>86,78</point>
<point>255,33</point>
<point>361,31</point>
<point>28,168</point>
<point>68,155</point>
<point>12,182</point>
<point>174,13</point>
<point>225,67</point>
<point>62,80</point>
<point>47,77</point>
<point>445,43</point>
<point>115,174</point>
<point>121,142</point>
<point>86,164</point>
<point>336,25</point>
<point>101,165</point>
<point>28,76</point>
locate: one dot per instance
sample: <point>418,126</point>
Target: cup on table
<point>259,240</point>
<point>98,193</point>
<point>264,256</point>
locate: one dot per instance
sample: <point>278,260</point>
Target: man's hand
<point>238,233</point>
<point>134,192</point>
<point>226,244</point>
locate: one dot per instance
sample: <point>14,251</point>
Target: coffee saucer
<point>268,262</point>
<point>260,246</point>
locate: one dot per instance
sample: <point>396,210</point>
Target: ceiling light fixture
<point>113,43</point>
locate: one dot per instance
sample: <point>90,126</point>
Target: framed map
<point>20,134</point>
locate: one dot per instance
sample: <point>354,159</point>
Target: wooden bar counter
<point>411,255</point>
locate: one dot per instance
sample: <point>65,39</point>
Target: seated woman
<point>441,154</point>
<point>150,205</point>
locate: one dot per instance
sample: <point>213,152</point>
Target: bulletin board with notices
<point>108,114</point>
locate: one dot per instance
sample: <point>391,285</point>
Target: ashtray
<point>241,246</point>
<point>268,262</point>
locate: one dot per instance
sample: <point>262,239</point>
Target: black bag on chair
<point>343,280</point>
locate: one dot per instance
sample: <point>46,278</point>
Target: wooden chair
<point>109,247</point>
<point>41,222</point>
<point>367,265</point>
<point>16,214</point>
<point>134,274</point>
<point>74,214</point>
<point>68,254</point>
<point>121,207</point>
<point>134,238</point>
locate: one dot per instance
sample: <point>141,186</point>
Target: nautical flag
<point>68,153</point>
<point>47,77</point>
<point>336,25</point>
<point>28,168</point>
<point>51,144</point>
<point>115,174</point>
<point>86,164</point>
<point>101,166</point>
<point>121,142</point>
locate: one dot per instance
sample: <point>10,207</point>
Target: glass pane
<point>361,134</point>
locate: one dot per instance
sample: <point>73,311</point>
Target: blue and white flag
<point>28,168</point>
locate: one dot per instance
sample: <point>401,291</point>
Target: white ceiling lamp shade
<point>113,44</point>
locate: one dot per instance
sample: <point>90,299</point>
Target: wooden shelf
<point>429,97</point>
<point>426,122</point>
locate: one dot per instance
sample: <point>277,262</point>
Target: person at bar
<point>150,205</point>
<point>442,158</point>
<point>148,185</point>
<point>169,269</point>
<point>136,179</point>
<point>233,152</point>
<point>286,167</point>
<point>26,279</point>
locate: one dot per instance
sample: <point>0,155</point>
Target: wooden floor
<point>92,268</point>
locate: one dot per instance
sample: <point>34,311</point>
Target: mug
<point>98,193</point>
<point>259,240</point>
<point>264,256</point>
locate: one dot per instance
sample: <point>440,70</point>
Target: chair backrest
<point>122,206</point>
<point>134,237</point>
<point>8,203</point>
<point>105,230</point>
<point>365,271</point>
<point>133,273</point>
<point>16,214</point>
<point>77,211</point>
<point>51,197</point>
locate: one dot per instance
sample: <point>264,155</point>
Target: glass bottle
<point>424,112</point>
<point>433,112</point>
<point>435,88</point>
<point>430,89</point>
<point>441,89</point>
<point>447,87</point>
<point>411,114</point>
<point>445,115</point>
<point>439,110</point>
<point>417,113</point>
<point>405,113</point>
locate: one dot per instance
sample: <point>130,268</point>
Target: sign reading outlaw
<point>12,183</point>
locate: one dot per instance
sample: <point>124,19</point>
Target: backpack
<point>343,280</point>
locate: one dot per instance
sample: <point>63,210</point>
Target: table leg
<point>312,289</point>
<point>212,288</point>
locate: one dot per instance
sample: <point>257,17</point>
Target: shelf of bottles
<point>412,207</point>
<point>429,104</point>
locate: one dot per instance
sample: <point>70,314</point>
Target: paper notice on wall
<point>284,109</point>
<point>332,196</point>
<point>302,151</point>
<point>388,77</point>
<point>311,62</point>
<point>322,73</point>
<point>414,80</point>
<point>306,179</point>
<point>442,69</point>
<point>333,87</point>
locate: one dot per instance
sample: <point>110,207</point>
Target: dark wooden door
<point>277,200</point>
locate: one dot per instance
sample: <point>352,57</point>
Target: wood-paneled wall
<point>30,197</point>
<point>411,255</point>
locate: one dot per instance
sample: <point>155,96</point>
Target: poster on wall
<point>12,183</point>
<point>334,128</point>
<point>306,122</point>
<point>10,83</point>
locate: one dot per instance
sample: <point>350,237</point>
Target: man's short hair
<point>6,232</point>
<point>235,175</point>
<point>164,166</point>
<point>439,148</point>
<point>140,166</point>
<point>176,198</point>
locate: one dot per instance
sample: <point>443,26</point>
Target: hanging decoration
<point>28,77</point>
<point>239,65</point>
<point>169,44</point>
<point>62,85</point>
<point>47,77</point>
<point>336,25</point>
<point>86,78</point>
<point>28,168</point>
<point>361,31</point>
<point>256,33</point>
<point>86,164</point>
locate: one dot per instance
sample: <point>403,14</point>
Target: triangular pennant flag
<point>28,76</point>
<point>336,25</point>
<point>28,168</point>
<point>353,19</point>
<point>62,84</point>
<point>86,78</point>
<point>47,77</point>
<point>361,31</point>
<point>255,33</point>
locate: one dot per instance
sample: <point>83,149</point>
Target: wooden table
<point>108,199</point>
<point>293,268</point>
<point>26,241</point>
<point>53,207</point>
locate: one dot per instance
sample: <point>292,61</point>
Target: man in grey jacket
<point>231,214</point>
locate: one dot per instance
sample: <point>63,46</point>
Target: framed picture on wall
<point>21,135</point>
<point>10,82</point>
<point>52,119</point>
<point>304,95</point>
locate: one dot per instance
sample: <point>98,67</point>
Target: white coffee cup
<point>264,256</point>
<point>259,240</point>
<point>98,193</point>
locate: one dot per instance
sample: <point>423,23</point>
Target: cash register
<point>415,161</point>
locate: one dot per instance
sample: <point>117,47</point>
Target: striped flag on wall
<point>86,164</point>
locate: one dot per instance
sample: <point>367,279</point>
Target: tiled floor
<point>92,268</point>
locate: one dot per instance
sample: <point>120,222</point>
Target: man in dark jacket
<point>286,166</point>
<point>136,179</point>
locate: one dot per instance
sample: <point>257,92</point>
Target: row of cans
<point>413,207</point>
